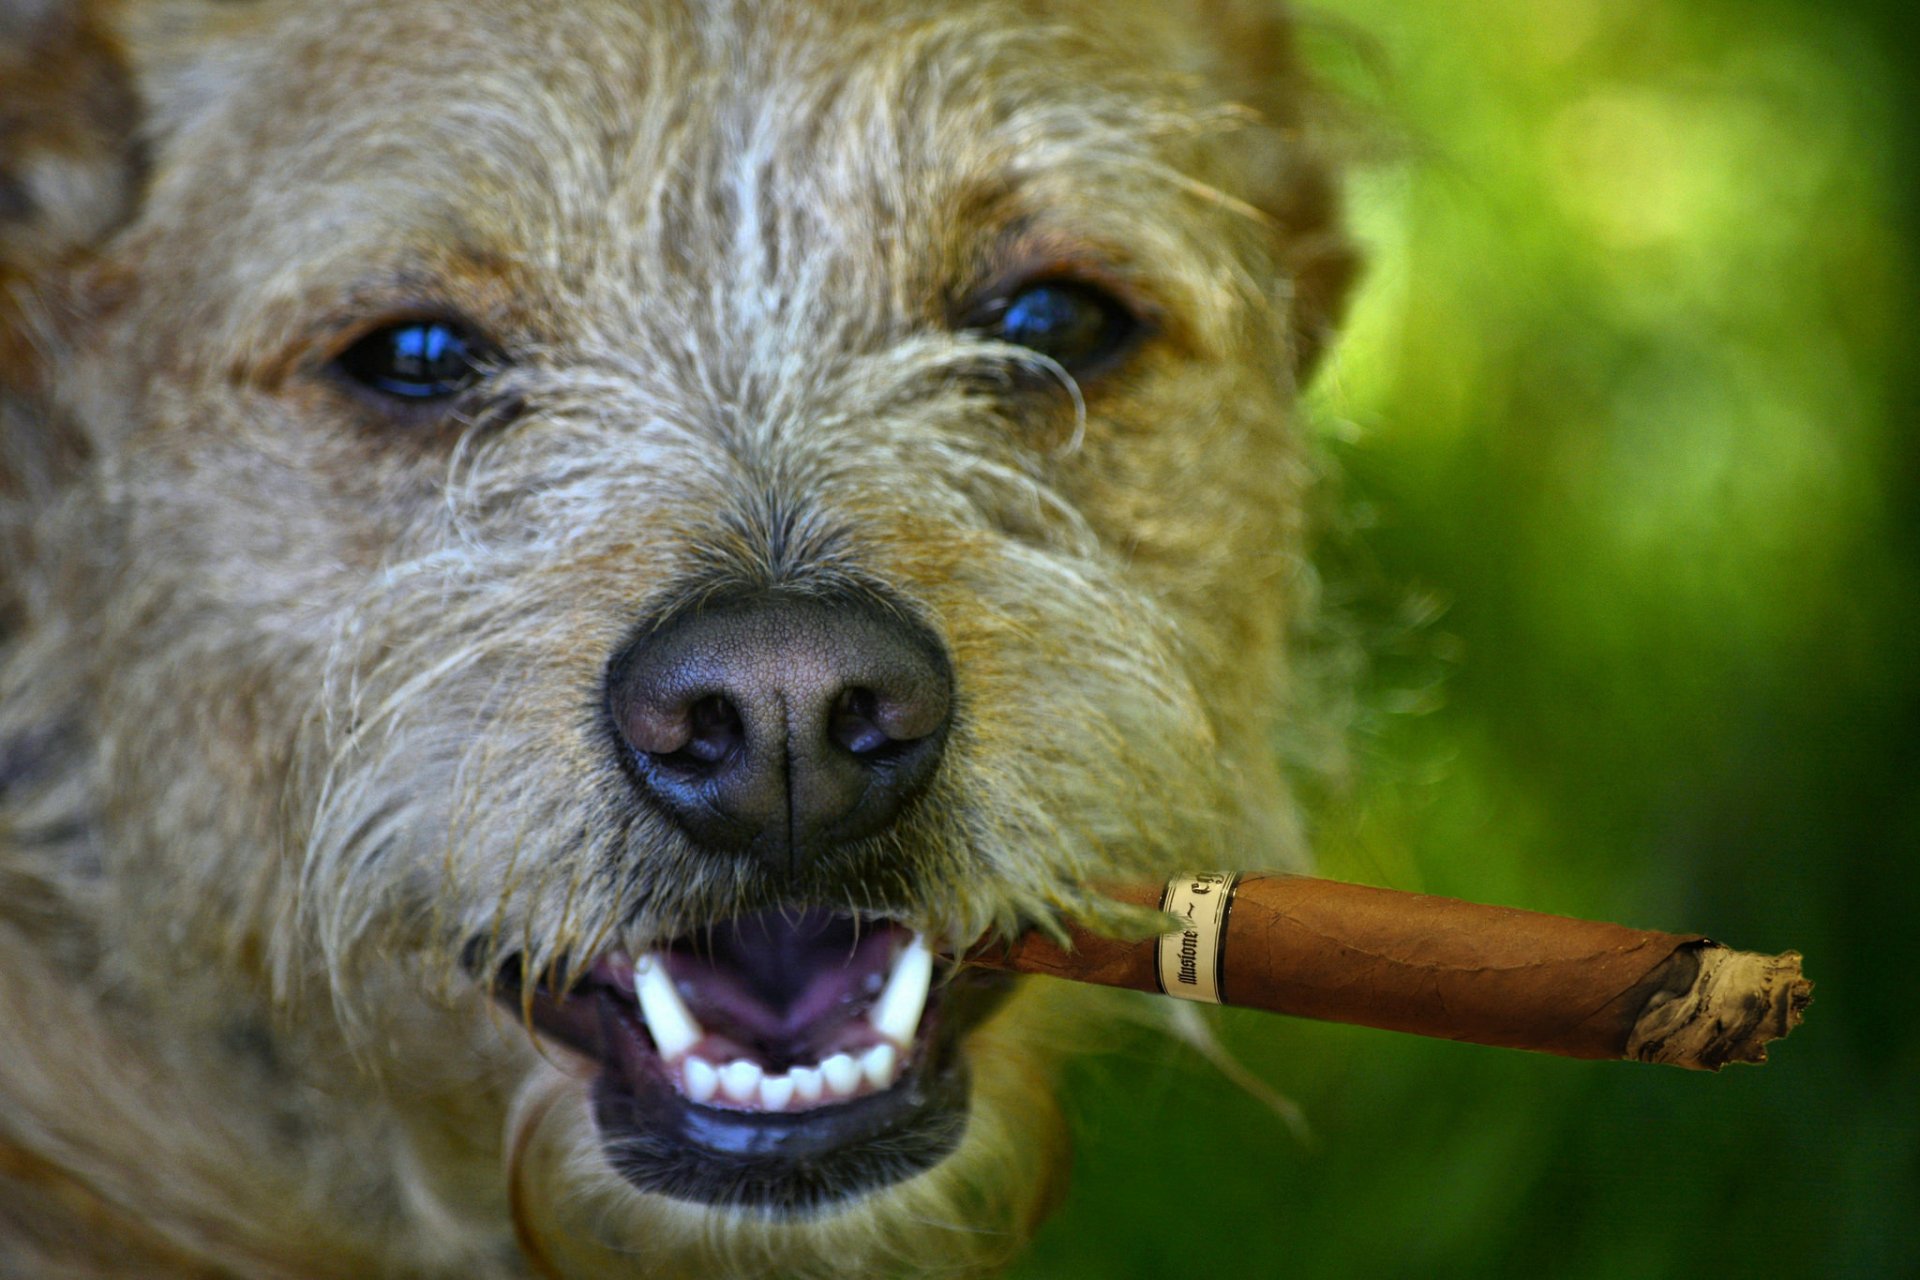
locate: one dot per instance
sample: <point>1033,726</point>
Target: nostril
<point>913,715</point>
<point>854,722</point>
<point>701,732</point>
<point>866,721</point>
<point>716,731</point>
<point>655,729</point>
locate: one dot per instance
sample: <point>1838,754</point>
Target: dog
<point>561,558</point>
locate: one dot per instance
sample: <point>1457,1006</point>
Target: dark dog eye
<point>1075,324</point>
<point>418,360</point>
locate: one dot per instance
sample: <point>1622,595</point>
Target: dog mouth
<point>782,1060</point>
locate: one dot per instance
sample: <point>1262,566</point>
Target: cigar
<point>1438,967</point>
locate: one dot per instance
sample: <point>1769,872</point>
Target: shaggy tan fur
<point>296,698</point>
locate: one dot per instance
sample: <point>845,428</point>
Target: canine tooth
<point>807,1084</point>
<point>896,1014</point>
<point>879,1064</point>
<point>740,1080</point>
<point>672,1027</point>
<point>842,1074</point>
<point>703,1079</point>
<point>776,1092</point>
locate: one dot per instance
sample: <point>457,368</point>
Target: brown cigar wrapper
<point>1461,971</point>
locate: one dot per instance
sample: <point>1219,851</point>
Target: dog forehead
<point>528,125</point>
<point>591,158</point>
<point>546,113</point>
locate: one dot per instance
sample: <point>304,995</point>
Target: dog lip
<point>784,998</point>
<point>786,1161</point>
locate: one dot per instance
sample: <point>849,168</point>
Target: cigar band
<point>1187,962</point>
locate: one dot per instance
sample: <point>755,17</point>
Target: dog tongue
<point>784,981</point>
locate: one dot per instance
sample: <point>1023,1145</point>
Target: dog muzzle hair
<point>800,1055</point>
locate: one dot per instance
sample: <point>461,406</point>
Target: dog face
<point>583,543</point>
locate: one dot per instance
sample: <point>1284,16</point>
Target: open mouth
<point>782,1060</point>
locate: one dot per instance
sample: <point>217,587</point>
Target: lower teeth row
<point>894,1016</point>
<point>746,1083</point>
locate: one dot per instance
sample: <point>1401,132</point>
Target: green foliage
<point>1628,392</point>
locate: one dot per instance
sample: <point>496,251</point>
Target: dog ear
<point>69,169</point>
<point>69,158</point>
<point>1251,52</point>
<point>69,163</point>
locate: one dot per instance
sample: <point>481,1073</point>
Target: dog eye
<point>1075,324</point>
<point>417,360</point>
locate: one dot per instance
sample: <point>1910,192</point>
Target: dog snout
<point>780,725</point>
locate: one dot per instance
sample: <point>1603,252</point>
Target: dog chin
<point>946,1172</point>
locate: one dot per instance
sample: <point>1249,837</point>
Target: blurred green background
<point>1627,413</point>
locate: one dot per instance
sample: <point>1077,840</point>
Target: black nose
<point>782,725</point>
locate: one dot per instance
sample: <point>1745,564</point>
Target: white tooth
<point>740,1080</point>
<point>878,1065</point>
<point>703,1080</point>
<point>842,1074</point>
<point>807,1084</point>
<point>776,1092</point>
<point>896,1014</point>
<point>672,1027</point>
